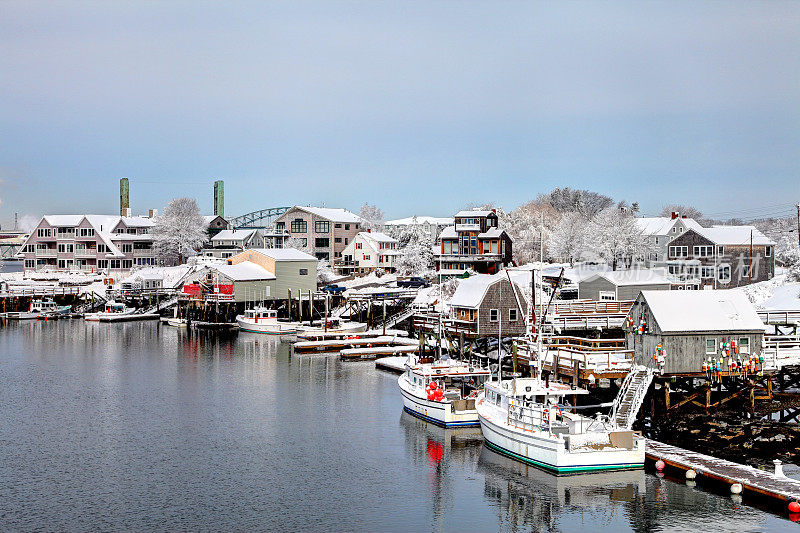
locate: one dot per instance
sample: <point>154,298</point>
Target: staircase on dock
<point>631,395</point>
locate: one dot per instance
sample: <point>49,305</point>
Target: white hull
<point>100,317</point>
<point>441,413</point>
<point>176,322</point>
<point>551,452</point>
<point>344,329</point>
<point>266,328</point>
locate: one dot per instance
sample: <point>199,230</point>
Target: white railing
<point>467,227</point>
<point>633,390</point>
<point>50,252</point>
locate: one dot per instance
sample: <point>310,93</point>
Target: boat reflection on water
<point>530,498</point>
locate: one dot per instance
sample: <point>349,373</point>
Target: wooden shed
<point>682,329</point>
<point>488,306</point>
<point>622,284</point>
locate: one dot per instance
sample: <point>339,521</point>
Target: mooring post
<point>752,398</point>
<point>666,396</point>
<point>708,397</point>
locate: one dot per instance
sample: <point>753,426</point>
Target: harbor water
<point>139,426</point>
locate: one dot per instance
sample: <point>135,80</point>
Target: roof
<point>233,235</point>
<point>639,276</point>
<point>138,222</point>
<point>663,225</point>
<point>244,271</point>
<point>376,236</point>
<point>334,214</point>
<point>734,235</point>
<point>706,310</point>
<point>470,292</point>
<point>474,213</point>
<point>491,233</point>
<point>449,233</point>
<point>441,221</point>
<point>284,254</point>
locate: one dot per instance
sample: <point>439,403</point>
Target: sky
<point>416,107</point>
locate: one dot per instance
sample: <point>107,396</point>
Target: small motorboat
<point>263,320</point>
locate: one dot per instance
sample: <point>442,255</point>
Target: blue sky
<point>418,107</point>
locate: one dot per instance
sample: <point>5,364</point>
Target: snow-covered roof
<point>440,221</point>
<point>734,235</point>
<point>491,233</point>
<point>663,225</point>
<point>333,213</point>
<point>170,276</point>
<point>284,254</point>
<point>244,271</point>
<point>449,233</point>
<point>376,236</point>
<point>707,310</point>
<point>473,213</point>
<point>636,276</point>
<point>471,291</point>
<point>138,222</point>
<point>233,235</point>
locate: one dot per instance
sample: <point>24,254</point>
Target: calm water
<point>140,426</point>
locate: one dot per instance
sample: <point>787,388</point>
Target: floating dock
<point>777,489</point>
<point>322,336</point>
<point>396,363</point>
<point>334,345</point>
<point>125,318</point>
<point>380,351</point>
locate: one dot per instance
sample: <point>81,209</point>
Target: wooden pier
<point>780,490</point>
<point>378,351</point>
<point>334,345</point>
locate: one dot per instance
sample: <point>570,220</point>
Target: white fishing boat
<point>334,326</point>
<point>263,320</point>
<point>111,310</point>
<point>443,392</point>
<point>41,309</point>
<point>529,420</point>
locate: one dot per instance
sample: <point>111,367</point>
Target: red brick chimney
<point>675,215</point>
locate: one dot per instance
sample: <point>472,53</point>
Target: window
<point>322,226</point>
<point>102,263</point>
<point>679,251</point>
<point>768,251</point>
<point>65,248</point>
<point>720,250</point>
<point>87,232</point>
<point>127,263</point>
<point>337,226</point>
<point>44,232</point>
<point>127,248</point>
<point>358,246</point>
<point>114,263</point>
<point>131,231</point>
<point>299,226</point>
<point>322,242</point>
<point>304,272</point>
<point>512,315</point>
<point>707,272</point>
<point>703,251</point>
<point>493,315</point>
<point>711,346</point>
<point>346,240</point>
<point>102,248</point>
<point>280,226</point>
<point>30,263</point>
<point>607,296</point>
<point>724,273</point>
<point>347,226</point>
<point>337,240</point>
<point>744,345</point>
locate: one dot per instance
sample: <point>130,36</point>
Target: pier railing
<point>21,292</point>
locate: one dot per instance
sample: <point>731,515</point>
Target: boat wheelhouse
<point>111,309</point>
<point>333,326</point>
<point>442,392</point>
<point>530,420</point>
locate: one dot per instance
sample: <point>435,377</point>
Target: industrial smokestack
<point>219,198</point>
<point>124,198</point>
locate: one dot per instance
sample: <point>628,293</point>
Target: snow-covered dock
<point>394,363</point>
<point>125,317</point>
<point>379,351</point>
<point>322,336</point>
<point>762,483</point>
<point>340,344</point>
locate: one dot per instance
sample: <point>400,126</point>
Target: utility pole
<point>750,270</point>
<point>798,224</point>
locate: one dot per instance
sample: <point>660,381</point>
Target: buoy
<point>660,465</point>
<point>691,474</point>
<point>794,507</point>
<point>736,488</point>
<point>689,482</point>
<point>438,395</point>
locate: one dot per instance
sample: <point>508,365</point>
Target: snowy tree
<point>179,231</point>
<point>325,273</point>
<point>616,238</point>
<point>587,203</point>
<point>568,240</point>
<point>416,252</point>
<point>784,232</point>
<point>297,243</point>
<point>529,227</point>
<point>373,217</point>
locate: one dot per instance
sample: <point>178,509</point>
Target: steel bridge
<point>258,219</point>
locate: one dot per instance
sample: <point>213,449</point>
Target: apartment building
<point>431,225</point>
<point>323,231</point>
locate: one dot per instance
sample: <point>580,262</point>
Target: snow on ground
<point>776,293</point>
<point>370,280</point>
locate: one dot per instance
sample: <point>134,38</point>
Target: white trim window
<point>744,345</point>
<point>494,315</point>
<point>512,315</point>
<point>711,346</point>
<point>724,273</point>
<point>678,251</point>
<point>707,272</point>
<point>704,251</point>
<point>607,296</point>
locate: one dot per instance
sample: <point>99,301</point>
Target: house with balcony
<point>368,252</point>
<point>474,242</point>
<point>722,256</point>
<point>228,243</point>
<point>93,243</point>
<point>488,305</point>
<point>323,231</point>
<point>431,225</point>
<point>660,231</point>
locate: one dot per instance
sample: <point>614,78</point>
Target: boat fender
<point>438,395</point>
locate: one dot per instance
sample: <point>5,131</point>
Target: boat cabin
<point>115,307</point>
<point>260,313</point>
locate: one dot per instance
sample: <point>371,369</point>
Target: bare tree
<point>180,231</point>
<point>683,210</point>
<point>373,217</point>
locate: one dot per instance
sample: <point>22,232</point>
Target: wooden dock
<point>335,345</point>
<point>322,336</point>
<point>378,351</point>
<point>763,484</point>
<point>396,364</point>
